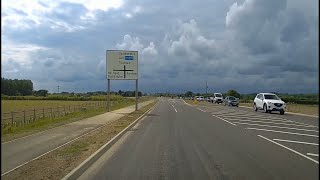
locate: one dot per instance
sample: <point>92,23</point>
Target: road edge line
<point>81,168</point>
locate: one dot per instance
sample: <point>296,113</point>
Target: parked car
<point>231,101</point>
<point>269,102</point>
<point>217,98</point>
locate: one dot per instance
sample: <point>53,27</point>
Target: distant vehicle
<point>200,98</point>
<point>231,101</point>
<point>269,102</point>
<point>208,99</point>
<point>217,98</point>
<point>211,99</point>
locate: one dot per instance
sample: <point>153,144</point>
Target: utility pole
<point>206,87</point>
<point>58,89</point>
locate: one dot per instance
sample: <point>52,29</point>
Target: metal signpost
<point>122,65</point>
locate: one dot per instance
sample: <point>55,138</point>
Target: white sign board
<point>122,64</point>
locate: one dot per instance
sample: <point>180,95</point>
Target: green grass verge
<point>10,133</point>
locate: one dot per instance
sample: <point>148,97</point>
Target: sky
<point>246,45</point>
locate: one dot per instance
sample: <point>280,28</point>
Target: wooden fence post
<point>34,114</point>
<point>12,114</point>
<point>43,113</point>
<point>24,116</point>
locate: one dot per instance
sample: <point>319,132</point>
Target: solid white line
<point>289,149</point>
<point>277,127</point>
<point>284,132</point>
<point>175,109</point>
<point>299,142</point>
<point>201,110</point>
<point>311,154</point>
<point>224,120</point>
<point>271,123</point>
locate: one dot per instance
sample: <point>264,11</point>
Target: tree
<point>188,94</point>
<point>234,93</point>
<point>41,92</point>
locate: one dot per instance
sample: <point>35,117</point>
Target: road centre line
<point>224,120</point>
<point>311,154</point>
<point>299,142</point>
<point>276,127</point>
<point>266,122</point>
<point>283,132</point>
<point>289,149</point>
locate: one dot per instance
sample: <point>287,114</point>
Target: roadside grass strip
<point>289,149</point>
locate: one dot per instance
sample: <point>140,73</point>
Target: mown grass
<point>296,108</point>
<point>10,133</point>
<point>57,164</point>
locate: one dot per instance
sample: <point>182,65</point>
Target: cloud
<point>249,45</point>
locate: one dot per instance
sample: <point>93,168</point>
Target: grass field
<point>19,105</point>
<point>9,133</point>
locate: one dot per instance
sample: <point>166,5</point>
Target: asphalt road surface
<point>179,141</point>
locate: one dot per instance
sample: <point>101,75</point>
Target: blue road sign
<point>128,58</point>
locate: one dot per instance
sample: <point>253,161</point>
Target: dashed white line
<point>283,132</point>
<point>224,120</point>
<point>311,154</point>
<point>299,142</point>
<point>289,149</point>
<point>277,127</point>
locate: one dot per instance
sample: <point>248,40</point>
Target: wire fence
<point>20,118</point>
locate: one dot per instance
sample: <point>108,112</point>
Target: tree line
<point>15,87</point>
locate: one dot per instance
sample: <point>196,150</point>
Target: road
<point>19,152</point>
<point>180,141</point>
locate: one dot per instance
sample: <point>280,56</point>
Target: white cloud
<point>150,50</point>
<point>130,43</point>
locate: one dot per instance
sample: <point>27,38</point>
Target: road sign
<point>122,64</point>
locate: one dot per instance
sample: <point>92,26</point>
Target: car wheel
<point>265,108</point>
<point>282,112</point>
<point>255,107</point>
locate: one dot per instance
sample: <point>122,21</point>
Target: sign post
<point>122,65</point>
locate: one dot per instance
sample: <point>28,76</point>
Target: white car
<point>269,102</point>
<point>217,98</point>
<point>200,98</point>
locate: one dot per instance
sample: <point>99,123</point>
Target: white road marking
<point>311,154</point>
<point>259,118</point>
<point>299,142</point>
<point>289,149</point>
<point>277,127</point>
<point>271,123</point>
<point>175,109</point>
<point>201,110</point>
<point>224,120</point>
<point>284,132</point>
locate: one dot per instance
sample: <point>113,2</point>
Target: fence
<point>20,118</point>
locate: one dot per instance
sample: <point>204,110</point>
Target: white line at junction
<point>283,132</point>
<point>289,149</point>
<point>277,127</point>
<point>298,142</point>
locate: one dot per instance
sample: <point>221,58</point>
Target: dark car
<point>231,101</point>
